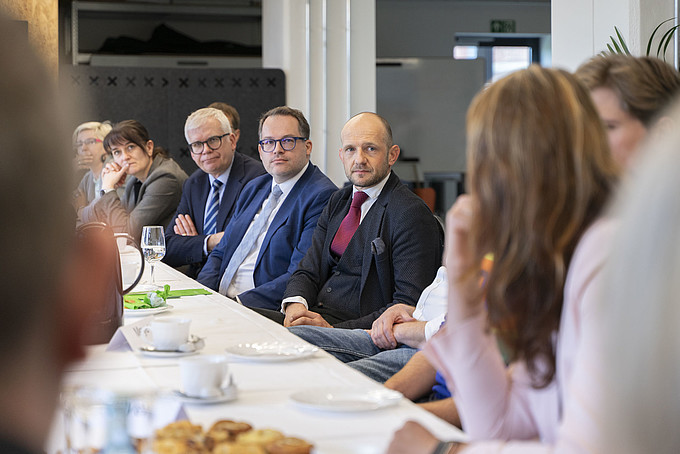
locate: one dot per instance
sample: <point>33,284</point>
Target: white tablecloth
<point>264,388</point>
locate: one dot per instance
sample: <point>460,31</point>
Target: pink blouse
<point>498,403</point>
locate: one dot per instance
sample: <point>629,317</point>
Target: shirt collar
<point>374,191</point>
<point>224,176</point>
<point>287,185</point>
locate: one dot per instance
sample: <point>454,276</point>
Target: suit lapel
<point>231,191</point>
<point>200,198</point>
<point>372,226</point>
<point>284,210</point>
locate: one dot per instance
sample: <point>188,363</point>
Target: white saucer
<point>194,341</point>
<point>228,394</point>
<point>147,311</point>
<point>272,351</point>
<point>346,400</point>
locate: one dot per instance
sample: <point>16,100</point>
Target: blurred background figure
<point>630,94</point>
<point>540,174</point>
<point>153,182</point>
<point>88,142</point>
<point>48,284</point>
<point>233,116</point>
<point>640,360</point>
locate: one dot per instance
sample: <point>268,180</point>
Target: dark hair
<point>130,131</point>
<point>644,85</point>
<point>303,126</point>
<point>230,112</point>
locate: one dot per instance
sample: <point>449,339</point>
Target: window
<point>503,55</point>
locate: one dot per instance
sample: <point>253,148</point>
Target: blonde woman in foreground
<point>540,174</point>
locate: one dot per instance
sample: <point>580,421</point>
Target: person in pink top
<point>540,174</point>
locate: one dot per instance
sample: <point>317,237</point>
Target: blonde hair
<point>540,167</point>
<point>100,130</point>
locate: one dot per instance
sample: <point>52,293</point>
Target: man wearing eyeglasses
<point>209,195</point>
<point>275,216</point>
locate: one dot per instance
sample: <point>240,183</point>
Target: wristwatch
<point>104,191</point>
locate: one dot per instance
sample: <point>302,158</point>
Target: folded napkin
<point>135,300</point>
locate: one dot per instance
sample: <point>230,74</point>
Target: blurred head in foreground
<point>641,310</point>
<point>629,94</point>
<point>47,282</point>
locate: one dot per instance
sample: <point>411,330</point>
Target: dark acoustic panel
<point>162,98</point>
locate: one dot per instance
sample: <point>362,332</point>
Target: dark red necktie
<point>349,225</point>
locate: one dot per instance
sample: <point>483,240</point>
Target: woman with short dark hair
<point>152,181</point>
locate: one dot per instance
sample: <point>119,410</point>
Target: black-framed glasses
<point>213,143</point>
<point>287,143</point>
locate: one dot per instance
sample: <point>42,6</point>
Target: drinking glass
<point>153,246</point>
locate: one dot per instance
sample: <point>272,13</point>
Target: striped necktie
<point>210,223</point>
<point>249,239</point>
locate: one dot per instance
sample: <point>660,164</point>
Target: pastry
<point>261,437</point>
<point>289,445</point>
<point>236,448</point>
<point>225,430</point>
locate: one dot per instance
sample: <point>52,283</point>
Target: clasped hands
<point>114,175</point>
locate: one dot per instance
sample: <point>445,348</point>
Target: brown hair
<point>540,167</point>
<point>644,85</point>
<point>130,131</point>
<point>303,125</point>
<point>230,112</point>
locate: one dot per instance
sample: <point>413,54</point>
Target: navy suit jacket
<point>188,250</point>
<point>285,243</point>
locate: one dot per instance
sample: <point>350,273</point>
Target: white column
<point>327,50</point>
<point>581,28</point>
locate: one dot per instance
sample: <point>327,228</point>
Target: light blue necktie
<point>249,239</point>
<point>210,224</point>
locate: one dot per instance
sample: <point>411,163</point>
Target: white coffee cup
<point>203,376</point>
<point>168,333</point>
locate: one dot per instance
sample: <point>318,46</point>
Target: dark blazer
<point>188,250</point>
<point>154,204</point>
<point>394,254</point>
<point>285,243</point>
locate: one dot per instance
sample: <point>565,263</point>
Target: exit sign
<point>503,26</point>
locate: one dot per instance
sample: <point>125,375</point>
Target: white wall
<point>427,28</point>
<point>581,28</point>
<point>327,50</point>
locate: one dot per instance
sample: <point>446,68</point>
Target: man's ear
<point>83,287</point>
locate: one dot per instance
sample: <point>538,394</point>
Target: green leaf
<point>666,40</point>
<point>622,41</point>
<point>651,37</point>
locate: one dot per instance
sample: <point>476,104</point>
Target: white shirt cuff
<point>293,299</point>
<point>433,326</point>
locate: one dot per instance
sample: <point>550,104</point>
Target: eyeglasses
<point>287,143</point>
<point>88,142</point>
<point>213,143</point>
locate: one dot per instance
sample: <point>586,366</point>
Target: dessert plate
<point>346,400</point>
<point>272,351</point>
<point>145,312</point>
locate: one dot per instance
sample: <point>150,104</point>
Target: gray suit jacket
<point>158,198</point>
<point>392,257</point>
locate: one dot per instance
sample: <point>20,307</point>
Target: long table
<point>264,389</point>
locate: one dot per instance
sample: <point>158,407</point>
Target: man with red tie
<point>376,244</point>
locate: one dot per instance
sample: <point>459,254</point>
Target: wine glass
<point>153,246</point>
